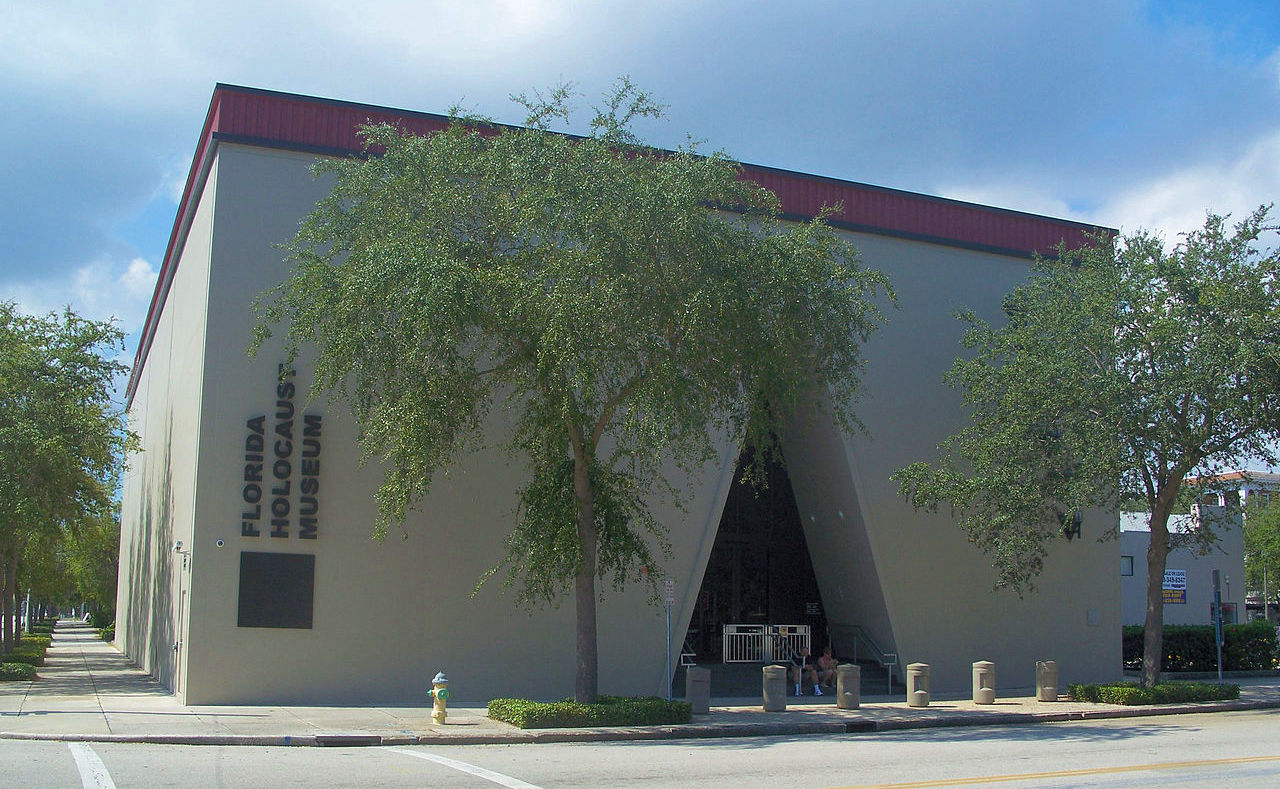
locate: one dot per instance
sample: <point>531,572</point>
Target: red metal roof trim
<point>328,126</point>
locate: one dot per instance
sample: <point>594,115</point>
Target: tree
<point>61,437</point>
<point>1122,368</point>
<point>1262,547</point>
<point>625,304</point>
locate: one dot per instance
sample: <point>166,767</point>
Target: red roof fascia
<point>327,126</point>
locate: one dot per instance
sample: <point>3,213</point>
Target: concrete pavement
<point>88,691</point>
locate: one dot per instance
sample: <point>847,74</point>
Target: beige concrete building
<point>248,574</point>
<point>1188,582</point>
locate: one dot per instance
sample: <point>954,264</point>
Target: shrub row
<point>609,711</point>
<point>1131,693</point>
<point>33,655</point>
<point>30,651</point>
<point>108,633</point>
<point>1250,647</point>
<point>17,672</point>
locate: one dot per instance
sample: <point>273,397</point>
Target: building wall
<point>911,578</point>
<point>388,615</point>
<point>1226,556</point>
<point>160,485</point>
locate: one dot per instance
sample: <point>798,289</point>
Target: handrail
<point>887,660</point>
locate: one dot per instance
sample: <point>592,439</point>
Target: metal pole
<point>669,678</point>
<point>1217,620</point>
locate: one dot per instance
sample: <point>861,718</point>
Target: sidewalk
<point>88,691</point>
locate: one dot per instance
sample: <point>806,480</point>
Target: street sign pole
<point>1217,619</point>
<point>668,600</point>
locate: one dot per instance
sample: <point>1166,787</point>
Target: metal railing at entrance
<point>762,643</point>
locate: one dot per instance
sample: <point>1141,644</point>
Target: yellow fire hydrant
<point>440,692</point>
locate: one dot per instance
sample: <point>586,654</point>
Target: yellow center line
<point>1063,773</point>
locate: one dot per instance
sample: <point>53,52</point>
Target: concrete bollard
<point>775,688</point>
<point>697,689</point>
<point>848,686</point>
<point>984,682</point>
<point>1046,680</point>
<point>918,685</point>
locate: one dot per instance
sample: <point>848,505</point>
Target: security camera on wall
<point>177,546</point>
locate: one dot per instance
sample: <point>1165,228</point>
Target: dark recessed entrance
<point>759,571</point>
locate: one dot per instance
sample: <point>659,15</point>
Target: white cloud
<point>1170,203</point>
<point>101,289</point>
<point>1178,201</point>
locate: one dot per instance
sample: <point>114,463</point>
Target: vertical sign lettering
<point>269,469</point>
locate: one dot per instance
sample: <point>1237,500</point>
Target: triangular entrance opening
<point>759,570</point>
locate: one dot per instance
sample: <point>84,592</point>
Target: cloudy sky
<point>1119,112</point>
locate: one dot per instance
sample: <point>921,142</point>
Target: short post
<point>984,682</point>
<point>917,684</point>
<point>775,688</point>
<point>1046,680</point>
<point>848,686</point>
<point>697,689</point>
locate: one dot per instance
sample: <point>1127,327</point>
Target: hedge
<point>20,655</point>
<point>30,650</point>
<point>1250,647</point>
<point>1131,693</point>
<point>17,672</point>
<point>609,711</point>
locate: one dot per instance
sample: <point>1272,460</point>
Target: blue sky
<point>1124,113</point>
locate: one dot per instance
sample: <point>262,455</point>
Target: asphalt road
<point>1216,750</point>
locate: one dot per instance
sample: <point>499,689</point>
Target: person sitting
<point>827,668</point>
<point>802,665</point>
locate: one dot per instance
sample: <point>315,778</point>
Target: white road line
<point>480,772</point>
<point>93,773</point>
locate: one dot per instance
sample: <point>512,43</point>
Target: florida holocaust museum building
<point>247,569</point>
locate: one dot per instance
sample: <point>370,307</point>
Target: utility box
<point>697,689</point>
<point>1046,680</point>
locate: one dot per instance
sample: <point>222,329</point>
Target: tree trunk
<point>7,575</point>
<point>16,606</point>
<point>1153,630</point>
<point>587,675</point>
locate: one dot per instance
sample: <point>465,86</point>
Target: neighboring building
<point>1237,489</point>
<point>1242,490</point>
<point>1188,584</point>
<point>247,572</point>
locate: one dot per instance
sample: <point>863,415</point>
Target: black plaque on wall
<point>276,589</point>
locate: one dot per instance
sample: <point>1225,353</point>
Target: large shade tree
<point>629,306</point>
<point>61,436</point>
<point>1122,368</point>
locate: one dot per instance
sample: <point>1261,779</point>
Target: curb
<point>640,733</point>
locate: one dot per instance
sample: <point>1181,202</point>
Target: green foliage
<point>23,654</point>
<point>608,711</point>
<point>17,672</point>
<point>628,309</point>
<point>107,633</point>
<point>1131,693</point>
<point>1262,545</point>
<point>62,440</point>
<point>37,639</point>
<point>1122,368</point>
<point>1248,647</point>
